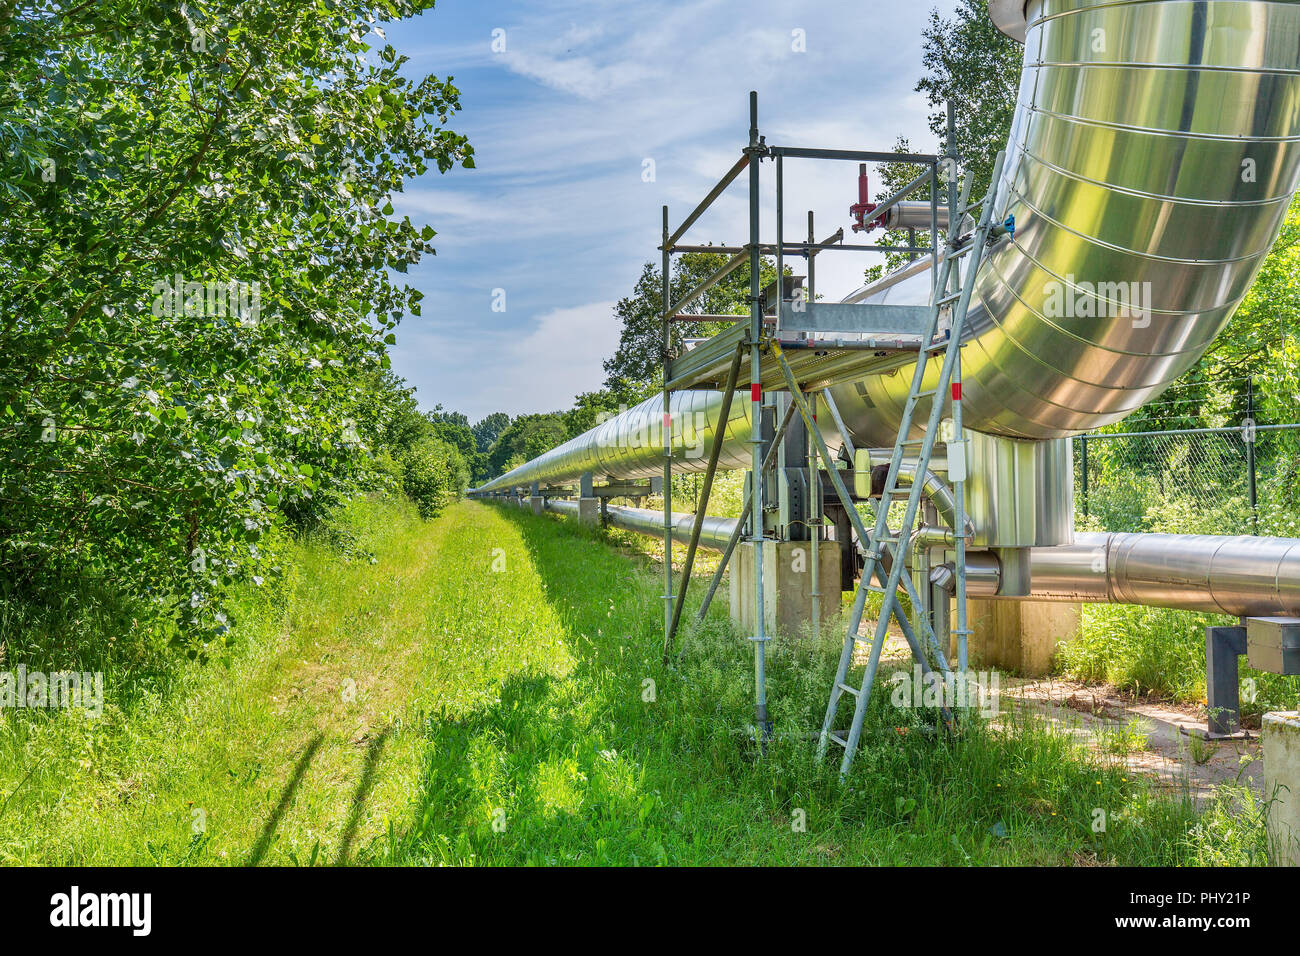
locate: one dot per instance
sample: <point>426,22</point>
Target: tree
<point>453,428</point>
<point>526,437</point>
<point>970,62</point>
<point>487,430</point>
<point>639,357</point>
<point>433,475</point>
<point>198,257</point>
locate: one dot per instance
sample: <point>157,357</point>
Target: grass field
<point>487,689</point>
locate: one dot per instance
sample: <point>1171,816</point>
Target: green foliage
<point>524,439</point>
<point>156,435</point>
<point>969,61</point>
<point>1158,651</point>
<point>486,431</point>
<point>433,475</point>
<point>639,357</point>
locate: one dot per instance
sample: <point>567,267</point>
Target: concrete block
<point>1019,636</point>
<point>1281,731</point>
<point>589,510</point>
<point>538,504</point>
<point>787,578</point>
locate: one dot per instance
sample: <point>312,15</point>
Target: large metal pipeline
<point>714,535</point>
<point>1240,575</point>
<point>1152,158</point>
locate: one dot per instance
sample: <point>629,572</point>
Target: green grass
<point>1161,652</point>
<point>511,707</point>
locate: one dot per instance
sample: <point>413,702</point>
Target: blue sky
<point>558,213</point>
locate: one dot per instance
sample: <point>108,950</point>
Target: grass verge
<point>490,691</point>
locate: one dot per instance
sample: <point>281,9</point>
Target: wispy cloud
<point>563,119</point>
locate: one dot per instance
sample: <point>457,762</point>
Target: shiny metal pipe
<point>714,535</point>
<point>914,215</point>
<point>1238,575</point>
<point>1153,155</point>
<point>630,446</point>
<point>1241,575</point>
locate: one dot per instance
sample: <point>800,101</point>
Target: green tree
<point>433,475</point>
<point>487,430</point>
<point>971,63</point>
<point>198,252</point>
<point>524,439</point>
<point>968,61</point>
<point>639,357</point>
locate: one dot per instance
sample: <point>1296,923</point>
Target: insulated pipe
<point>1153,155</point>
<point>630,446</point>
<point>714,535</point>
<point>1243,575</point>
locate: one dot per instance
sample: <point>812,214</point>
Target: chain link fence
<point>1240,480</point>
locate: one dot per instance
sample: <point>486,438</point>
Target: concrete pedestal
<point>1282,785</point>
<point>1019,636</point>
<point>538,504</point>
<point>589,510</point>
<point>787,578</point>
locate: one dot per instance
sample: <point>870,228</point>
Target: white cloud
<point>556,210</point>
<point>540,369</point>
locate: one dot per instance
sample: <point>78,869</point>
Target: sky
<point>586,117</point>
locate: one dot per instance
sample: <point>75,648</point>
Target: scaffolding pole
<point>757,482</point>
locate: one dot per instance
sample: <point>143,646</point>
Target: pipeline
<point>1164,156</point>
<point>714,535</point>
<point>1153,155</point>
<point>1240,575</point>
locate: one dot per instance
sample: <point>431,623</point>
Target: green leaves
<point>233,149</point>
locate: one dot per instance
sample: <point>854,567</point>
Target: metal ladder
<point>896,544</point>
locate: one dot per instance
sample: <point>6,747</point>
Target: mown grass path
<point>489,691</point>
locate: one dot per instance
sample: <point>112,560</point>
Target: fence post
<point>1250,452</point>
<point>1083,456</point>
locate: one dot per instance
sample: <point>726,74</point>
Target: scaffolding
<point>793,343</point>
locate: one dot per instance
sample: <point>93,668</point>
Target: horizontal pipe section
<point>1241,575</point>
<point>714,534</point>
<point>630,446</point>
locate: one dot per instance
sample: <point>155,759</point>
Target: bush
<point>433,475</point>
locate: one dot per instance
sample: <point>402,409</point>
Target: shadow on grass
<point>373,752</point>
<point>286,797</point>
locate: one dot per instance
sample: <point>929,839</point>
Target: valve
<point>864,206</point>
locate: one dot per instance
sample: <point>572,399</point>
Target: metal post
<point>702,502</point>
<point>958,487</point>
<point>1223,645</point>
<point>667,427</point>
<point>1083,468</point>
<point>1250,453</point>
<point>755,153</point>
<point>814,479</point>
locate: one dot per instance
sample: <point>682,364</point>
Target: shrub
<point>433,475</point>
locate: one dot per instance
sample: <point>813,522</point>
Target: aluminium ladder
<point>883,541</point>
